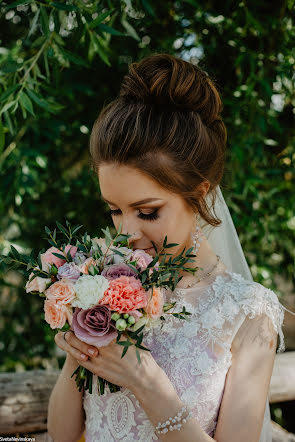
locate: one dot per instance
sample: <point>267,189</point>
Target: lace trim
<point>251,296</point>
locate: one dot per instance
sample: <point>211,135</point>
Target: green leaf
<point>109,30</point>
<point>7,106</point>
<point>37,99</point>
<point>2,136</point>
<point>74,58</point>
<point>98,47</point>
<point>26,102</point>
<point>138,356</point>
<point>8,92</point>
<point>64,7</point>
<point>148,7</point>
<point>130,30</point>
<point>62,228</point>
<point>99,19</point>
<point>44,21</point>
<point>47,230</point>
<point>17,3</point>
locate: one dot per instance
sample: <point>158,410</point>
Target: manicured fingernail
<point>91,351</point>
<point>83,356</point>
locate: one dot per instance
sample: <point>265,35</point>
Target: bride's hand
<point>77,349</point>
<point>108,364</point>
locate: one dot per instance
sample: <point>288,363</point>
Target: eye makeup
<point>149,217</point>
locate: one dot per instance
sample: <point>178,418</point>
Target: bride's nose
<point>135,235</point>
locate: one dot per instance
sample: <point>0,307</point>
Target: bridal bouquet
<point>101,288</point>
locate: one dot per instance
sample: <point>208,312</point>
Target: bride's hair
<point>166,122</point>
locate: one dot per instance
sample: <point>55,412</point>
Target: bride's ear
<point>204,187</point>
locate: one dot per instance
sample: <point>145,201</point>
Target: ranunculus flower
<point>38,284</point>
<point>154,309</point>
<point>56,313</point>
<point>61,291</point>
<point>142,258</point>
<point>124,294</point>
<point>48,258</point>
<point>117,270</point>
<point>94,326</point>
<point>89,290</point>
<point>86,264</point>
<point>69,271</point>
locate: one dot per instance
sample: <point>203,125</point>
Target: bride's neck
<point>205,260</point>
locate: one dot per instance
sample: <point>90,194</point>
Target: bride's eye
<point>150,216</point>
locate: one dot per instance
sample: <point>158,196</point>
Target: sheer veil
<point>225,242</point>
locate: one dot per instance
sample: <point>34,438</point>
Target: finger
<point>71,344</point>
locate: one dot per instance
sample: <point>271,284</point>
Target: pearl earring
<point>197,236</point>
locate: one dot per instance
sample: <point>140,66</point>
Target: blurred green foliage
<point>62,61</point>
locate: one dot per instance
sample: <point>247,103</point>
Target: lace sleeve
<point>257,300</point>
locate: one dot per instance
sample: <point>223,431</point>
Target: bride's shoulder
<point>256,302</point>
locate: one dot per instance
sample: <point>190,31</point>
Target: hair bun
<point>168,82</point>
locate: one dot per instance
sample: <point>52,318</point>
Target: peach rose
<point>154,309</point>
<point>86,264</point>
<point>62,291</point>
<point>124,294</point>
<point>37,284</point>
<point>56,314</point>
<point>48,258</point>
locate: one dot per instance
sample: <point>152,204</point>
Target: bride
<point>159,150</point>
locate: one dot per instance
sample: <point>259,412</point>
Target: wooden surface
<point>282,384</point>
<point>24,396</point>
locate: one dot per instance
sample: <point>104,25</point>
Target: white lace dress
<point>195,354</point>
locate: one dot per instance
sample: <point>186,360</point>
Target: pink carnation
<point>125,294</point>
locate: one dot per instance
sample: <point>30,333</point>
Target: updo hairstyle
<point>166,123</point>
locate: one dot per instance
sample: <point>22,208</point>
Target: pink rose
<point>56,314</point>
<point>48,258</point>
<point>38,284</point>
<point>154,309</point>
<point>62,291</point>
<point>142,258</point>
<point>124,294</point>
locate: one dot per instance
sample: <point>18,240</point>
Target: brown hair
<point>166,123</point>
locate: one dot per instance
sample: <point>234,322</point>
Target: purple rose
<point>69,271</point>
<point>94,326</point>
<point>116,270</point>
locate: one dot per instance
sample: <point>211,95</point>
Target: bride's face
<point>124,188</point>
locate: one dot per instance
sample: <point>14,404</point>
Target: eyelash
<point>150,217</point>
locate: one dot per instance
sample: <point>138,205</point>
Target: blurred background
<point>62,61</point>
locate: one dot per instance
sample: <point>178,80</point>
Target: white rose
<point>89,290</point>
<point>37,284</point>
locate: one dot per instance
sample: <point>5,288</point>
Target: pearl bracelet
<point>166,426</point>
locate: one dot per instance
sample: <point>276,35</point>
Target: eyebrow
<point>138,203</point>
